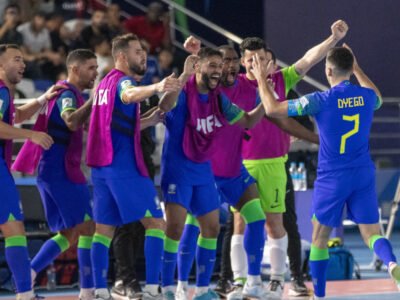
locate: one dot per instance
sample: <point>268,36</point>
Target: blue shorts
<point>232,189</point>
<point>198,200</point>
<point>66,204</point>
<point>119,201</point>
<point>354,188</point>
<point>10,208</point>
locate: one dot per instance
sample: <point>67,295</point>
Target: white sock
<point>238,257</point>
<point>278,252</point>
<point>182,285</point>
<point>169,288</point>
<point>86,294</point>
<point>253,280</point>
<point>25,295</point>
<point>200,290</point>
<point>151,288</point>
<point>102,292</point>
<point>33,277</point>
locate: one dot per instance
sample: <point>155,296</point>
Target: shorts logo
<point>247,180</point>
<point>66,102</point>
<point>172,189</point>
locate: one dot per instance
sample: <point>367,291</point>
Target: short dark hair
<point>341,58</point>
<point>79,56</point>
<point>4,47</point>
<point>206,52</point>
<point>121,43</point>
<point>251,44</point>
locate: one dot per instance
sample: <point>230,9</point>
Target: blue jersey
<point>176,167</point>
<point>344,117</point>
<point>122,130</point>
<point>4,113</point>
<point>52,161</point>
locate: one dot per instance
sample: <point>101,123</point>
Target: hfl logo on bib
<point>207,125</point>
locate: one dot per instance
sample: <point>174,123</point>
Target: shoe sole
<point>293,293</point>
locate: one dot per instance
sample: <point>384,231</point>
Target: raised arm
<point>251,118</point>
<point>168,100</point>
<point>317,53</point>
<point>151,118</point>
<point>272,107</point>
<point>140,93</point>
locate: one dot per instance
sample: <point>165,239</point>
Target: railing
<point>230,37</point>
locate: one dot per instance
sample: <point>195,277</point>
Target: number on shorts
<point>356,120</point>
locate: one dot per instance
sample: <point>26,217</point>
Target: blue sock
<point>169,261</point>
<point>49,252</point>
<point>205,259</point>
<point>319,259</point>
<point>382,248</point>
<point>254,237</point>
<point>99,255</point>
<point>85,262</point>
<point>153,252</point>
<point>187,248</point>
<point>17,257</point>
<point>254,244</point>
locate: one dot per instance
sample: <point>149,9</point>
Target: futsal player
<point>346,173</point>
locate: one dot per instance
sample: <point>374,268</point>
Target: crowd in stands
<point>47,30</point>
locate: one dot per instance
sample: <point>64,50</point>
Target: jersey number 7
<point>356,120</point>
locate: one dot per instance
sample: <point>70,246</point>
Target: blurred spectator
<point>153,27</point>
<point>165,63</point>
<point>98,28</point>
<point>54,24</point>
<point>37,49</point>
<point>8,30</point>
<point>114,20</point>
<point>77,9</point>
<point>152,74</point>
<point>102,49</point>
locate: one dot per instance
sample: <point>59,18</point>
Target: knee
<point>71,235</point>
<point>174,229</point>
<point>211,230</point>
<point>154,223</point>
<point>274,226</point>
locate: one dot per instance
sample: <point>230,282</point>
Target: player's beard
<point>228,78</point>
<point>206,79</point>
<point>138,69</point>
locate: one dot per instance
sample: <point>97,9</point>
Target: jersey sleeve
<point>4,102</point>
<point>231,111</point>
<point>123,84</point>
<point>66,101</point>
<point>309,104</point>
<point>378,102</point>
<point>290,77</point>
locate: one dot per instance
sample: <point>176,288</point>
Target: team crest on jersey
<point>304,101</point>
<point>66,102</point>
<point>172,189</point>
